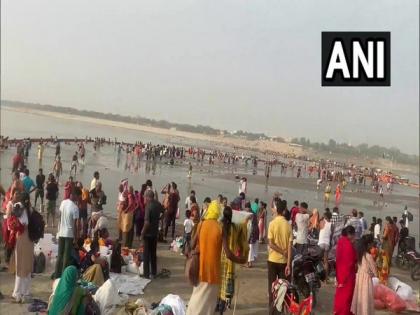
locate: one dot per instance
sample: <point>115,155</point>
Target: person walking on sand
<point>363,301</point>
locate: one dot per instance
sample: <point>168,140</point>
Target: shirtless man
<point>74,163</point>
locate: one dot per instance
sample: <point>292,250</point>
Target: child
<point>188,226</point>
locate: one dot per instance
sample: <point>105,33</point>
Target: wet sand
<point>251,285</point>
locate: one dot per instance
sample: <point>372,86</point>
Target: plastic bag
<point>403,290</point>
<point>379,305</point>
<point>391,299</point>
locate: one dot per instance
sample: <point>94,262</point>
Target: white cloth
<point>203,298</point>
<point>253,252</point>
<point>93,184</point>
<point>325,234</point>
<point>129,284</point>
<point>69,213</point>
<point>176,303</point>
<point>188,225</point>
<point>302,220</point>
<point>188,202</point>
<point>377,231</point>
<point>22,287</point>
<point>108,299</point>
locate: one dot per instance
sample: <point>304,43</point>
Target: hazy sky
<point>250,65</point>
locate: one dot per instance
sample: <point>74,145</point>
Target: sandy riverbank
<point>258,145</point>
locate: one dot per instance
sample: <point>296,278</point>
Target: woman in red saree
<point>346,260</point>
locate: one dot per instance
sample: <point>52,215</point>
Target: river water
<point>204,180</point>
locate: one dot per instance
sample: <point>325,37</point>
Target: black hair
<point>335,209</point>
<point>328,215</point>
<point>149,183</point>
<point>348,230</point>
<point>361,213</point>
<point>188,214</point>
<point>247,204</point>
<point>226,220</point>
<point>296,203</point>
<point>389,219</point>
<point>174,186</point>
<point>364,246</point>
<point>95,174</point>
<point>242,195</point>
<point>26,172</point>
<point>193,199</point>
<point>192,192</point>
<point>304,205</point>
<point>379,221</point>
<point>256,200</point>
<point>207,199</point>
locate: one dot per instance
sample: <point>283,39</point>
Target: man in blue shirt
<point>28,183</point>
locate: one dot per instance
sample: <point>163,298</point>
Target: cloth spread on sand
<point>127,284</point>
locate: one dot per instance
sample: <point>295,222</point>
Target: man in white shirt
<point>302,221</point>
<point>377,233</point>
<point>94,181</point>
<point>67,231</point>
<point>188,202</point>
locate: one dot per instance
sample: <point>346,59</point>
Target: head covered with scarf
<point>65,300</point>
<point>213,211</point>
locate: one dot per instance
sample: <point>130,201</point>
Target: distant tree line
<point>374,151</point>
<point>134,120</point>
<point>363,149</point>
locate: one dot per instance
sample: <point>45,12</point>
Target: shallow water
<point>203,181</point>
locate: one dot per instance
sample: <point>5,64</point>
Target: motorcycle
<point>307,273</point>
<point>414,261</point>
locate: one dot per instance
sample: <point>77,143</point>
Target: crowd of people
<point>209,228</point>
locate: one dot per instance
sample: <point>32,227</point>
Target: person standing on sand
<point>39,193</point>
<point>149,234</point>
<point>209,242</point>
<point>74,164</point>
<point>58,168</point>
<point>302,224</point>
<point>171,211</point>
<point>94,181</point>
<point>40,152</point>
<point>21,261</point>
<point>337,195</point>
<point>57,149</point>
<point>327,195</point>
<point>279,251</point>
<point>51,196</point>
<point>346,259</point>
<point>363,300</point>
<point>68,232</point>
